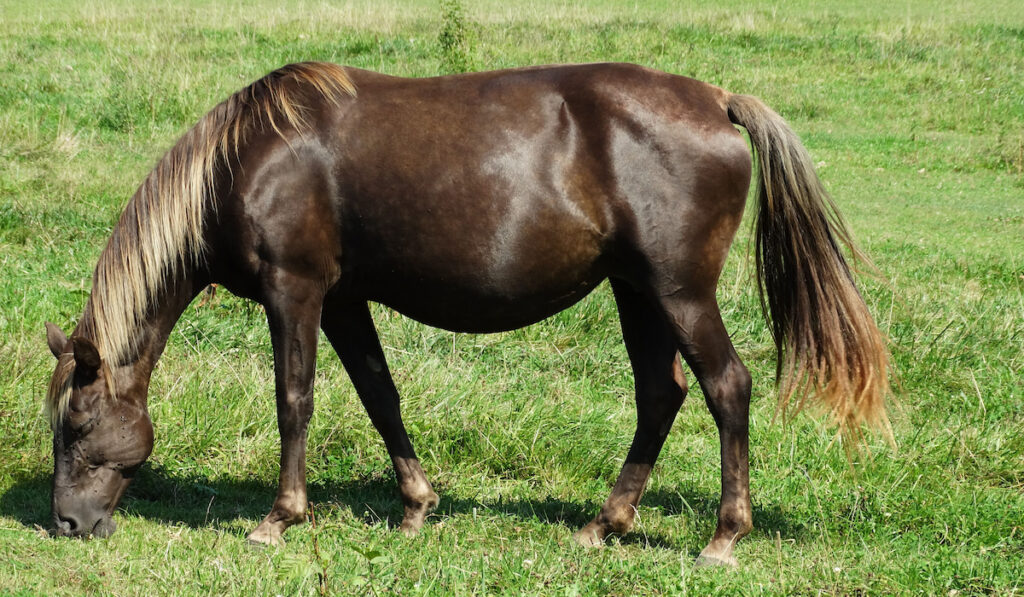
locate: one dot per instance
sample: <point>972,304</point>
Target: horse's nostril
<point>67,524</point>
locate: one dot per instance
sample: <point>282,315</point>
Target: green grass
<point>915,115</point>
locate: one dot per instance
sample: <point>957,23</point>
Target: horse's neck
<point>165,314</point>
<point>150,338</point>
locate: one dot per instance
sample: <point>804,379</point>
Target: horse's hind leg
<point>352,334</point>
<point>725,381</point>
<point>660,390</point>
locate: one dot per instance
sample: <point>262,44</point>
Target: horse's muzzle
<point>72,526</point>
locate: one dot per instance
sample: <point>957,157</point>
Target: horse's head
<point>99,439</point>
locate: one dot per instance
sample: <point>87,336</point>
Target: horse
<point>477,202</point>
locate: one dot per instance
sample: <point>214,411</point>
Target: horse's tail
<point>828,345</point>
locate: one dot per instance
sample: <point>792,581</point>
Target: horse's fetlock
<point>418,494</point>
<point>289,517</point>
<point>738,521</point>
<point>618,519</point>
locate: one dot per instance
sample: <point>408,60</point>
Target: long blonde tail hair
<point>829,347</point>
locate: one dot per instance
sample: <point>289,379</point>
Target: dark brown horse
<point>478,202</point>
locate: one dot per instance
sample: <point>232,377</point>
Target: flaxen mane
<point>161,228</point>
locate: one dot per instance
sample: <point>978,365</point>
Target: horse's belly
<point>457,308</point>
<point>473,288</point>
<point>464,266</point>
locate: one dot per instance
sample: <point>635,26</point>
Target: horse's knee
<point>295,407</point>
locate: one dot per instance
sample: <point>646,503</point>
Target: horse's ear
<point>86,353</point>
<point>55,339</point>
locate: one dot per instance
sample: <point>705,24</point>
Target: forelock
<point>59,394</point>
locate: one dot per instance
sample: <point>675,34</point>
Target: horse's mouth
<point>102,528</point>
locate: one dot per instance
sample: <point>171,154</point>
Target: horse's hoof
<point>707,561</point>
<point>263,539</point>
<point>587,538</point>
<point>409,530</point>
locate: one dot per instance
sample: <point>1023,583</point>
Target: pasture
<point>915,117</point>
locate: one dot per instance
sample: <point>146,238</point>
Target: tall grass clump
<point>454,39</point>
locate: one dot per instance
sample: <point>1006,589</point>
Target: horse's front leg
<point>293,313</point>
<point>351,331</point>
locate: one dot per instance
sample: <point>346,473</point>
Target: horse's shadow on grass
<point>203,503</point>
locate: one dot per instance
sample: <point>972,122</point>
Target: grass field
<point>915,115</point>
